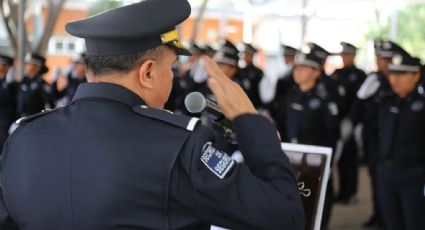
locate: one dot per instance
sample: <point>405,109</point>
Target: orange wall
<point>234,30</point>
<point>209,33</point>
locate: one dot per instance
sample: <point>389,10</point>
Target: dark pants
<point>327,207</point>
<point>348,170</point>
<point>371,154</point>
<point>401,197</point>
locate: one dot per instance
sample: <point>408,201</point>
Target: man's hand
<point>62,83</point>
<point>230,96</point>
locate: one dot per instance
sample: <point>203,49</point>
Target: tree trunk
<point>198,22</point>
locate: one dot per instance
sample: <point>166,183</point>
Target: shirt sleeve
<point>258,194</point>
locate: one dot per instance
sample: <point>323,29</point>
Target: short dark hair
<point>101,65</point>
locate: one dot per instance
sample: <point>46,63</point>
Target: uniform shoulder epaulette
<point>26,120</point>
<point>184,122</point>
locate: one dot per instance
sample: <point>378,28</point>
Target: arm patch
<point>216,161</point>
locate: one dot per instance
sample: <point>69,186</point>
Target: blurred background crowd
<point>342,74</point>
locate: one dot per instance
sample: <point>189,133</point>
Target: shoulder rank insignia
<point>188,123</point>
<point>25,120</point>
<point>216,161</point>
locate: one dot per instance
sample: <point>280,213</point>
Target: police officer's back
<point>113,159</point>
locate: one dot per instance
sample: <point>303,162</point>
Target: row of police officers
<point>311,107</point>
<point>32,94</point>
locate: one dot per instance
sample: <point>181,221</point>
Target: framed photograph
<point>311,165</point>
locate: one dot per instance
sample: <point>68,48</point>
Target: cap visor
<point>181,49</point>
<point>308,63</point>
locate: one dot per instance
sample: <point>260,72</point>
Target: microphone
<point>195,102</point>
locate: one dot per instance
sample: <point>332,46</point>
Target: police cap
<point>133,28</point>
<point>6,60</point>
<point>250,48</point>
<point>404,63</point>
<point>228,54</point>
<point>309,59</point>
<point>289,50</point>
<point>317,50</point>
<point>35,59</point>
<point>388,49</point>
<point>347,48</point>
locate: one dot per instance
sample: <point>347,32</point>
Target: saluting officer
<point>137,166</point>
<point>250,76</point>
<point>401,170</point>
<point>34,94</point>
<point>309,113</point>
<point>64,88</point>
<point>7,99</point>
<point>286,81</point>
<point>351,78</point>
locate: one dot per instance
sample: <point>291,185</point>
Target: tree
<point>10,17</point>
<point>103,5</point>
<point>409,33</point>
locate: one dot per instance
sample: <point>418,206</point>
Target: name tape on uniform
<point>216,161</point>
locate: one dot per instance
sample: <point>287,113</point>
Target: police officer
<point>309,113</point>
<point>64,88</point>
<point>137,166</point>
<point>34,94</point>
<point>285,82</point>
<point>351,78</point>
<point>401,170</point>
<point>365,110</point>
<point>7,98</point>
<point>335,88</point>
<point>250,76</point>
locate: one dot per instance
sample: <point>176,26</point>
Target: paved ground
<point>352,217</point>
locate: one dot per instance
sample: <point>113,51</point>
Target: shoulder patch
<point>184,122</point>
<point>216,161</point>
<point>369,87</point>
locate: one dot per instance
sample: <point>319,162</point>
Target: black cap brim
<point>179,48</point>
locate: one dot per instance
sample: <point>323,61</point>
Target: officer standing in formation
<point>365,110</point>
<point>7,99</point>
<point>250,76</point>
<point>34,94</point>
<point>401,168</point>
<point>137,166</point>
<point>309,113</point>
<point>351,78</point>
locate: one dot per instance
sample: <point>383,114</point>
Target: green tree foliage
<point>410,32</point>
<point>103,5</point>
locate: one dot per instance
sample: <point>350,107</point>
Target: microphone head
<point>195,102</point>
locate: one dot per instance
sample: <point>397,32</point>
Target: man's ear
<point>146,74</point>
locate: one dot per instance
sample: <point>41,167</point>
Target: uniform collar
<point>108,91</point>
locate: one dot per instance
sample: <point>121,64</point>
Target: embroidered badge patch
<point>216,161</point>
<point>314,103</point>
<point>333,108</point>
<point>417,106</point>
